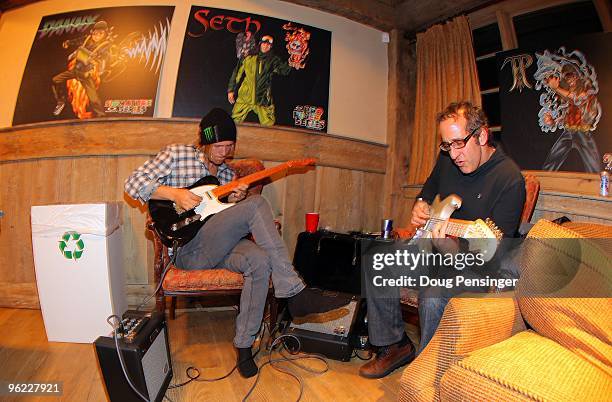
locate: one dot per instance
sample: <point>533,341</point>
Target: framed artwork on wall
<point>556,100</point>
<point>260,69</point>
<point>102,62</point>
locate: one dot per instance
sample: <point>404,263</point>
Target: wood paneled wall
<point>83,162</point>
<point>574,195</point>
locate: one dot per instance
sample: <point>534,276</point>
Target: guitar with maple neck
<point>177,227</point>
<point>482,236</point>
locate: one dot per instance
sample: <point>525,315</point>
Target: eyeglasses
<point>458,144</point>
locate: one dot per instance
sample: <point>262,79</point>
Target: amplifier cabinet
<point>146,357</point>
<point>330,260</point>
<point>334,339</point>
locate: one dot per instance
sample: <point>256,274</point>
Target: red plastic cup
<point>312,221</point>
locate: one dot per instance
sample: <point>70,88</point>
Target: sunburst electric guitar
<point>176,227</point>
<point>482,236</point>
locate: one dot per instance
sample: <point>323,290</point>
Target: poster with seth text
<point>103,62</point>
<point>259,69</point>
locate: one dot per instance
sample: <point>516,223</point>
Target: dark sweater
<point>495,190</point>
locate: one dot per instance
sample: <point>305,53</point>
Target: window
<point>487,42</point>
<point>556,23</point>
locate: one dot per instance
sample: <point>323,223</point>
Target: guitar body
<point>173,227</point>
<point>439,210</point>
<point>482,236</point>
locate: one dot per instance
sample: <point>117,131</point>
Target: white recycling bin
<point>79,268</point>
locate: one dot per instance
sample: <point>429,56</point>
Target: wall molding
<point>146,136</point>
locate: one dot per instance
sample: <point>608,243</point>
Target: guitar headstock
<point>301,162</point>
<point>483,237</point>
<point>484,230</point>
<point>494,229</point>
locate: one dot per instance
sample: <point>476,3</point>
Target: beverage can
<point>604,183</point>
<point>387,228</point>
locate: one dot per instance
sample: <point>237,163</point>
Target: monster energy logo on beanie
<point>217,126</point>
<point>209,134</point>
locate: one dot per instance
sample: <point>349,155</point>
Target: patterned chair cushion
<point>181,280</point>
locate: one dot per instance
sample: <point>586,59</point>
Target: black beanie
<point>217,126</point>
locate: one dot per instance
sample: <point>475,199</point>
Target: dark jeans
<point>386,325</point>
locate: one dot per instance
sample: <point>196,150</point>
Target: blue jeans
<point>386,326</point>
<point>430,315</point>
<point>221,243</point>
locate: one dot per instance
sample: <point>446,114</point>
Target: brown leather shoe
<point>388,359</point>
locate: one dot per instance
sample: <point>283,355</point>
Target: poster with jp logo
<point>556,102</point>
<point>103,62</point>
<point>260,69</point>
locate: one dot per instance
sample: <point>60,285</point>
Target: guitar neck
<point>456,227</point>
<point>226,189</point>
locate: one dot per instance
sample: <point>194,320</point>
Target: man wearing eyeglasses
<point>490,185</point>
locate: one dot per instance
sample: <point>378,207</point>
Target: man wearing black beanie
<point>221,243</point>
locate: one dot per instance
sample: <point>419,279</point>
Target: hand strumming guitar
<point>185,199</point>
<point>441,242</point>
<point>182,197</point>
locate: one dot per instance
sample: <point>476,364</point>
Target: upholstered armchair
<point>482,350</point>
<point>205,282</point>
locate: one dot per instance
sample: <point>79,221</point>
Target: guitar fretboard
<point>456,227</point>
<point>226,189</point>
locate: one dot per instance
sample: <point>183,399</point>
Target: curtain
<point>446,72</point>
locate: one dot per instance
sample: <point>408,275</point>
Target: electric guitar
<point>176,227</point>
<point>482,236</point>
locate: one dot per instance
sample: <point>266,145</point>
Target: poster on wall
<point>260,69</point>
<point>563,95</point>
<point>103,62</point>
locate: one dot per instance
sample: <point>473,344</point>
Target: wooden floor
<point>197,338</point>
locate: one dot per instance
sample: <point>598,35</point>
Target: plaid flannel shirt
<point>177,165</point>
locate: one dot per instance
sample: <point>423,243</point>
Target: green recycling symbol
<point>71,246</point>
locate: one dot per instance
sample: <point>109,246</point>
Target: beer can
<point>386,229</point>
<point>604,183</point>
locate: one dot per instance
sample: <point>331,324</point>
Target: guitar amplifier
<point>146,354</point>
<point>330,260</point>
<point>334,339</point>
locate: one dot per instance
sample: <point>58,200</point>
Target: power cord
<point>161,279</point>
<point>289,359</point>
<point>116,327</point>
<point>193,373</point>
